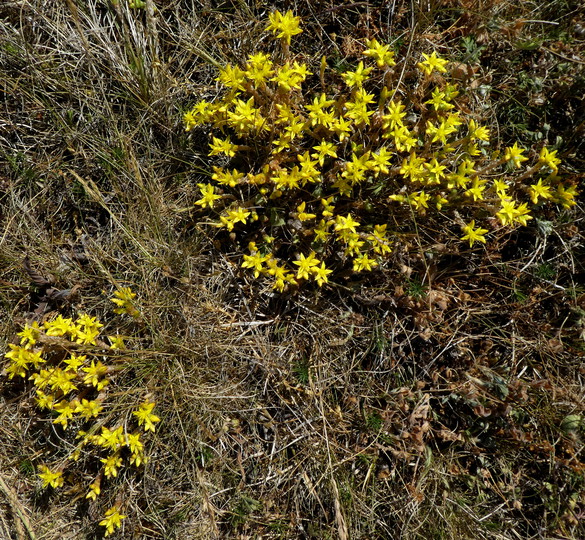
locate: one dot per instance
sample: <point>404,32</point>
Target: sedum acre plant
<point>314,172</point>
<point>72,370</point>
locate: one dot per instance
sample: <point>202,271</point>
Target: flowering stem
<point>488,168</point>
<point>529,172</point>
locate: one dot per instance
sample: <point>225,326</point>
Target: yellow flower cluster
<point>112,520</point>
<point>63,359</point>
<point>123,298</point>
<point>325,173</point>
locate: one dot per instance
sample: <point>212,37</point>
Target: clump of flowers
<point>314,172</point>
<point>72,370</point>
<point>124,299</point>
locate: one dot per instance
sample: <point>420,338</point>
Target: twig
<point>17,507</point>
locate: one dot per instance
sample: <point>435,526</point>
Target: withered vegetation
<point>443,397</point>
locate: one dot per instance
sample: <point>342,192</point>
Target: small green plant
<point>472,49</point>
<point>63,359</point>
<point>374,422</point>
<point>416,288</point>
<point>245,506</point>
<point>301,371</point>
<point>306,182</point>
<point>545,271</point>
<point>519,294</point>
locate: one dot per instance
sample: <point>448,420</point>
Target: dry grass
<point>427,403</point>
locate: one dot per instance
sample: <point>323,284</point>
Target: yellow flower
<point>346,223</point>
<point>20,358</point>
<point>363,262</point>
<point>473,235</point>
<point>328,206</point>
<point>87,336</point>
<point>507,212</point>
<point>431,63</point>
<point>259,67</point>
<point>59,327</point>
<point>66,411</point>
<point>281,276</point>
<point>232,77</point>
<point>439,101</point>
<point>435,170</point>
<point>209,195</point>
<point>88,408</point>
<point>245,118</point>
<point>190,121</point>
<point>357,109</point>
<point>29,334</point>
<point>254,261</point>
<point>88,323</point>
<point>357,77</point>
<point>117,342</point>
<point>112,439</point>
<point>302,215</point>
<point>341,128</point>
<point>438,133</point>
<point>514,154</point>
<point>50,478</point>
<point>381,159</point>
<point>318,113</point>
<point>111,464</point>
<point>45,401</point>
<point>354,243</point>
<point>289,77</point>
<point>287,179</point>
<point>566,195</point>
<point>420,200</point>
<point>134,443</point>
<point>549,159</point>
<point>113,520</point>
<point>321,232</point>
<point>522,214</point>
<point>403,139</point>
<point>539,190</point>
<point>320,273</point>
<point>201,113</point>
<point>223,146</point>
<point>324,149</point>
<point>74,362</point>
<point>137,458</point>
<point>94,372</point>
<point>284,26</point>
<point>94,491</point>
<point>476,190</point>
<point>238,215</point>
<point>380,53</point>
<point>123,298</point>
<point>145,416</point>
<point>62,380</point>
<point>472,149</point>
<point>413,168</point>
<point>226,177</point>
<point>501,188</point>
<point>394,116</point>
<point>478,132</point>
<point>381,244</point>
<point>306,265</point>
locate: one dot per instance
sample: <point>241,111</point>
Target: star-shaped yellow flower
<point>472,234</point>
<point>306,265</point>
<point>284,26</point>
<point>431,63</point>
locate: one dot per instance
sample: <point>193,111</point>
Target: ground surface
<point>442,399</point>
